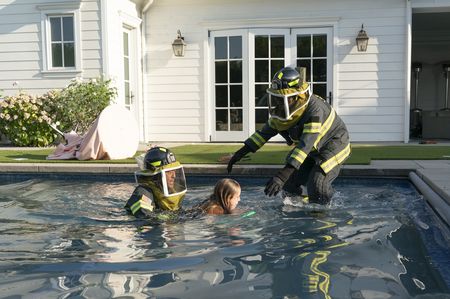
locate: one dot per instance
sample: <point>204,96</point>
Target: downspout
<point>408,72</point>
<point>144,9</point>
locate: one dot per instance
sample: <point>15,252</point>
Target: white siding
<point>21,46</point>
<point>370,86</point>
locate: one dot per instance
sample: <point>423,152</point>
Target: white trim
<point>207,47</point>
<point>275,22</point>
<point>104,32</point>
<point>59,6</point>
<point>407,61</point>
<point>60,9</point>
<point>129,19</point>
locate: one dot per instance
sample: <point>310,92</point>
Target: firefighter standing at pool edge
<point>320,136</point>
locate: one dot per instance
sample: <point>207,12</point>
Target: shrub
<point>24,122</point>
<point>77,105</point>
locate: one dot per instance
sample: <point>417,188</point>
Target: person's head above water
<point>227,193</point>
<point>164,175</point>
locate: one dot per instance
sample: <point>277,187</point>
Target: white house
<point>215,92</point>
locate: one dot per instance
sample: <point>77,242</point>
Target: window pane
<point>306,64</point>
<point>261,46</point>
<point>236,71</point>
<point>320,46</point>
<point>221,72</point>
<point>319,70</point>
<point>222,120</point>
<point>262,71</point>
<point>69,55</point>
<point>277,46</point>
<point>235,47</point>
<point>55,24</point>
<point>236,120</point>
<point>57,55</point>
<point>221,96</point>
<point>125,44</point>
<point>261,116</point>
<point>303,46</point>
<point>276,65</point>
<point>68,29</point>
<point>320,90</point>
<point>261,99</point>
<point>221,47</point>
<point>236,95</point>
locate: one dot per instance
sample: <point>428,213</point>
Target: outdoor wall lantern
<point>179,45</point>
<point>362,40</point>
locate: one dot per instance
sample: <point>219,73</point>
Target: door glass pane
<point>235,119</point>
<point>261,46</point>
<point>220,48</point>
<point>277,46</point>
<point>276,65</point>
<point>69,55</point>
<point>261,70</point>
<point>68,29</point>
<point>236,95</point>
<point>127,94</point>
<point>261,98</point>
<point>320,90</point>
<point>303,46</point>
<point>235,71</point>
<point>235,47</point>
<point>319,70</point>
<point>261,116</point>
<point>221,72</point>
<point>306,64</point>
<point>228,88</point>
<point>320,46</point>
<point>222,120</point>
<point>221,96</point>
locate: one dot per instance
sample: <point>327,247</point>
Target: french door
<point>243,64</point>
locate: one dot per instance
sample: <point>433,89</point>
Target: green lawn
<point>269,154</point>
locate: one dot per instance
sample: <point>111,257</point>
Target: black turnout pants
<point>310,180</point>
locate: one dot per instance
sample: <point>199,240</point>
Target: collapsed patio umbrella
<point>113,135</point>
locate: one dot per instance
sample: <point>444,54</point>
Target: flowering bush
<point>77,105</point>
<point>24,122</point>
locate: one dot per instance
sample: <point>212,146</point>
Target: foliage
<point>78,105</point>
<point>24,122</point>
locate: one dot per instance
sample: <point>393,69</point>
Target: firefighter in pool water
<point>320,137</point>
<point>161,184</point>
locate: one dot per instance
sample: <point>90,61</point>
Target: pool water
<point>72,239</point>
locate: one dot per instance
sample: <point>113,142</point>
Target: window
<point>62,41</point>
<point>61,48</point>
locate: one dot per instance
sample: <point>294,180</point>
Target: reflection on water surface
<point>74,239</point>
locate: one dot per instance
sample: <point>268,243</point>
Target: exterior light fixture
<point>362,40</point>
<point>179,45</point>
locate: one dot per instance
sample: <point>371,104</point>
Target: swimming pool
<point>65,238</point>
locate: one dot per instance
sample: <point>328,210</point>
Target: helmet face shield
<point>168,184</point>
<point>282,106</point>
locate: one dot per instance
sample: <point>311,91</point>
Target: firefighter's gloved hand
<point>275,184</point>
<point>237,156</point>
